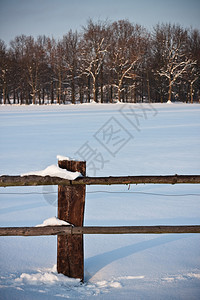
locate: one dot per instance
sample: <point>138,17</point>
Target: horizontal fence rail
<point>33,180</point>
<point>71,230</point>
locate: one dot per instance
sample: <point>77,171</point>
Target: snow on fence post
<point>71,204</point>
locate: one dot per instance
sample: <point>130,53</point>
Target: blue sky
<point>56,17</point>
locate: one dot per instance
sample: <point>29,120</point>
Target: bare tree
<point>193,47</point>
<point>34,63</point>
<point>4,70</point>
<point>18,53</point>
<point>125,52</point>
<point>59,69</point>
<point>195,76</point>
<point>57,65</point>
<point>71,60</point>
<point>94,48</point>
<point>44,70</point>
<point>175,60</point>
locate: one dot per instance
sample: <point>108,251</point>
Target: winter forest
<point>105,62</point>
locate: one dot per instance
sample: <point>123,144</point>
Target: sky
<point>56,17</point>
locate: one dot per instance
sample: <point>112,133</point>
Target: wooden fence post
<point>71,203</point>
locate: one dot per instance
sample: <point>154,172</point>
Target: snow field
<point>164,140</point>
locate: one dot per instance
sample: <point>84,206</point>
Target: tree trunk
<point>101,84</point>
<point>123,95</point>
<point>39,97</point>
<point>88,91</point>
<point>111,94</point>
<point>81,93</point>
<point>59,87</point>
<point>52,93</point>
<point>126,94</point>
<point>17,97</point>
<point>34,96</point>
<point>134,95</point>
<point>142,90</point>
<point>14,97</point>
<point>73,90</point>
<point>119,92</point>
<point>148,88</point>
<point>8,98</point>
<point>21,97</point>
<point>191,92</point>
<point>170,91</point>
<point>43,95</point>
<point>4,93</point>
<point>27,98</point>
<point>94,90</point>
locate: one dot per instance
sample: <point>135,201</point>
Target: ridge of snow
<point>55,171</point>
<point>53,221</point>
<point>61,157</point>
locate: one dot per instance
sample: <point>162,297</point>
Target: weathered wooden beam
<point>138,229</point>
<point>35,231</point>
<point>71,204</point>
<point>168,179</point>
<point>33,180</point>
<point>70,230</point>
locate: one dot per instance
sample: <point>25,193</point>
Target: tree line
<point>105,62</point>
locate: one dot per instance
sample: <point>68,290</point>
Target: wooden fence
<point>71,203</point>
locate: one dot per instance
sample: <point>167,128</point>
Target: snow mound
<point>48,282</point>
<point>49,277</point>
<point>55,171</point>
<point>53,222</point>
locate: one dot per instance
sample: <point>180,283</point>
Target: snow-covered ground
<point>121,140</point>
